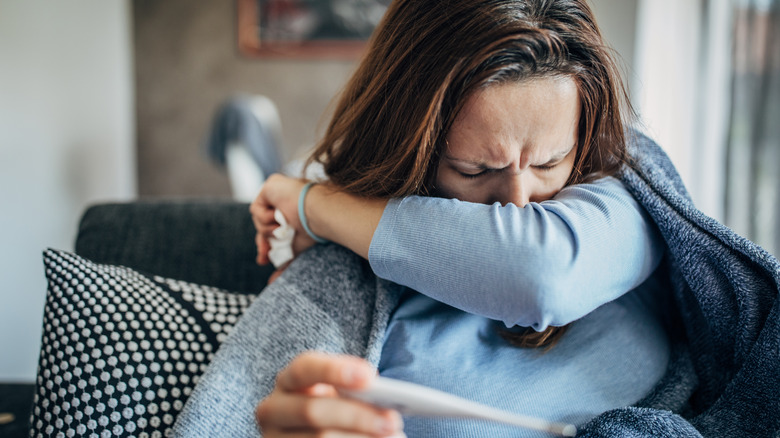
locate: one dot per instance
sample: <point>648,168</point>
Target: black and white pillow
<point>122,351</point>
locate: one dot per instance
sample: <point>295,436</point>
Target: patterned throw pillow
<point>122,351</point>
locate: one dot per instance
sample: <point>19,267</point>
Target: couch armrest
<point>208,242</point>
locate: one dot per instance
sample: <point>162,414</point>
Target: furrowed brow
<point>476,164</point>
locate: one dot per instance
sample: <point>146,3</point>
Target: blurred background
<point>113,101</point>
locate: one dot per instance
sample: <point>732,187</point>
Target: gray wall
<point>187,64</point>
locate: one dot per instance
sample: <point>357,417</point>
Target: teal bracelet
<point>302,215</point>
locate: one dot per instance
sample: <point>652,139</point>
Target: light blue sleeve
<point>548,263</point>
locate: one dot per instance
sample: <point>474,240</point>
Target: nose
<point>518,190</point>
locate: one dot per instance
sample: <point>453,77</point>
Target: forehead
<point>533,116</point>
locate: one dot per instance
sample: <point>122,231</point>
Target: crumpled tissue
<point>281,241</point>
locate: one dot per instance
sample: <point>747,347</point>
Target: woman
<point>433,68</point>
<point>519,105</point>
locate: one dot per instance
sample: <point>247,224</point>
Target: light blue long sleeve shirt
<point>610,358</point>
<point>547,263</point>
<point>573,259</point>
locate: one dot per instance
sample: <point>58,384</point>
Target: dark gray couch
<point>208,242</point>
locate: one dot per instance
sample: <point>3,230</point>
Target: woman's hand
<point>332,214</point>
<point>305,401</point>
<point>278,192</point>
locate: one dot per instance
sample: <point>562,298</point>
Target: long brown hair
<point>427,56</point>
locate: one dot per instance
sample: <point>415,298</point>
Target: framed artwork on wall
<point>326,29</point>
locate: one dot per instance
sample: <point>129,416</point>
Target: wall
<point>187,64</point>
<point>66,140</point>
<point>668,48</point>
<point>618,19</point>
<point>683,84</point>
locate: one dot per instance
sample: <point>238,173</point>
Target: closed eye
<point>546,167</point>
<point>473,175</point>
<point>554,161</point>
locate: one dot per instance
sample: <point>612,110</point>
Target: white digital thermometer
<point>417,400</point>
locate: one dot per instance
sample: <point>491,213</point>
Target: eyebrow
<point>477,164</point>
<point>559,156</point>
<point>483,166</point>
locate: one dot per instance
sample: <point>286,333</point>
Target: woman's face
<point>512,142</point>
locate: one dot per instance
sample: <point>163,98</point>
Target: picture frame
<point>315,29</point>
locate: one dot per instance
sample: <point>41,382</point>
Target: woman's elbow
<point>548,302</point>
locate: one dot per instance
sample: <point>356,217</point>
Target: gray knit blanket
<point>723,379</point>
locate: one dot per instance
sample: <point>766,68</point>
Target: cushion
<point>122,350</point>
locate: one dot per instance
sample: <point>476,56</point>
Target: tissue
<point>281,241</point>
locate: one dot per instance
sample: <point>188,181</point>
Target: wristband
<point>302,215</point>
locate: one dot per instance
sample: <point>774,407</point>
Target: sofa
<point>134,315</point>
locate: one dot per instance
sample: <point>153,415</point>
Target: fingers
<point>264,222</point>
<point>258,205</point>
<point>262,217</point>
<point>305,401</point>
<point>276,274</point>
<point>312,368</point>
<point>292,411</point>
<point>321,434</point>
<point>263,248</point>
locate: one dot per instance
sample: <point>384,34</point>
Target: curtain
<point>752,201</point>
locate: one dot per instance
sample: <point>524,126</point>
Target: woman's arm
<point>548,263</point>
<point>545,264</point>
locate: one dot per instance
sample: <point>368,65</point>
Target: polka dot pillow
<point>122,351</point>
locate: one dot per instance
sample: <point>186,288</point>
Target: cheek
<point>555,179</point>
<point>546,191</point>
<point>446,183</point>
<point>563,175</point>
<point>548,184</point>
<point>449,184</point>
